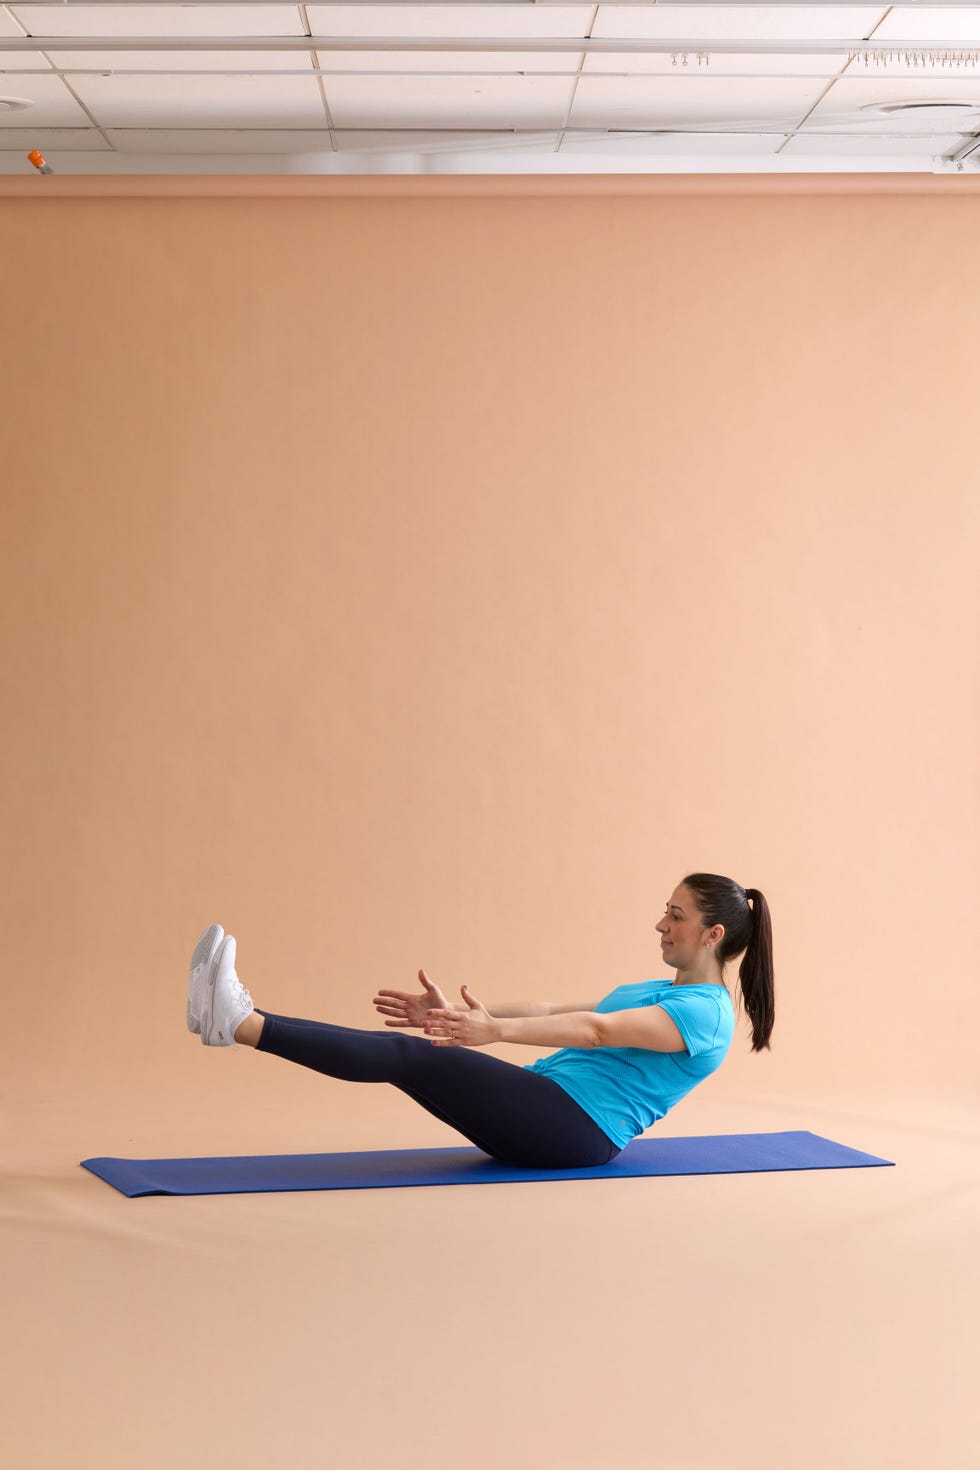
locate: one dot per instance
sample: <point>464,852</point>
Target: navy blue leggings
<point>519,1117</point>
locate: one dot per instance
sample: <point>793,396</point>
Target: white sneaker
<point>226,1001</point>
<point>205,955</point>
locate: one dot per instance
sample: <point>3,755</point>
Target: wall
<point>410,581</point>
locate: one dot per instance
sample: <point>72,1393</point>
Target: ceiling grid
<point>513,86</point>
<point>305,20</point>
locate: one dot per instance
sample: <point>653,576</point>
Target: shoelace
<point>243,993</point>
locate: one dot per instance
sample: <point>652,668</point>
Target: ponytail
<point>744,914</point>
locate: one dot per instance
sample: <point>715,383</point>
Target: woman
<point>624,1061</point>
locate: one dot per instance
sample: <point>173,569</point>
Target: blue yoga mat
<point>723,1153</point>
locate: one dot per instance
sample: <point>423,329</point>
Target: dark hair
<point>722,901</point>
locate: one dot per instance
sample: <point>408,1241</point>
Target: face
<point>681,928</point>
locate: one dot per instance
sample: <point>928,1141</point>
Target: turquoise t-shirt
<point>625,1089</point>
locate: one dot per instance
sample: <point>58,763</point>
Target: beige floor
<point>751,1322</point>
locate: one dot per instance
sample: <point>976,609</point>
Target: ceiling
<point>523,86</point>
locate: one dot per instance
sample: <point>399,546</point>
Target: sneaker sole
<point>203,960</point>
<point>207,1010</point>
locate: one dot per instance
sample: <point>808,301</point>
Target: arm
<point>535,1008</point>
<point>561,1028</point>
<point>411,1009</point>
<point>649,1028</point>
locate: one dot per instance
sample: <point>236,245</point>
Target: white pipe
<point>593,45</point>
<point>323,71</point>
<point>529,5</point>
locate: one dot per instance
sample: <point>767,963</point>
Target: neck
<point>708,973</point>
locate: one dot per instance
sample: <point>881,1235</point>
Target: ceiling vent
<point>939,112</point>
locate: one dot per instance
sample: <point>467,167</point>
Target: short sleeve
<point>698,1018</point>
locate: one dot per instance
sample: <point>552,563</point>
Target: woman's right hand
<point>411,1010</point>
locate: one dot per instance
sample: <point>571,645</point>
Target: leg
<point>516,1116</point>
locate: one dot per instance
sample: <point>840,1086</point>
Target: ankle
<point>250,1030</point>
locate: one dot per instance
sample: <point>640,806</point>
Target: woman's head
<point>730,919</point>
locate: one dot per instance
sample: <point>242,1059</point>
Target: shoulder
<point>704,1015</point>
<point>713,1000</point>
<point>641,992</point>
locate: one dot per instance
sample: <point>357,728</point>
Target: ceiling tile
<point>848,98</point>
<point>671,144</point>
<point>198,102</point>
<point>539,21</point>
<point>426,102</point>
<point>897,66</point>
<point>738,22</point>
<point>673,101</point>
<point>15,60</point>
<point>218,140</point>
<point>805,146</point>
<point>19,62</point>
<point>53,104</point>
<point>717,66</point>
<point>512,63</point>
<point>51,141</point>
<point>242,62</point>
<point>944,23</point>
<point>160,20</point>
<point>8,27</point>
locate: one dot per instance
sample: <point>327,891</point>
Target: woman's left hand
<point>472,1027</point>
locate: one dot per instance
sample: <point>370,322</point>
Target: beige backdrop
<point>436,581</point>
